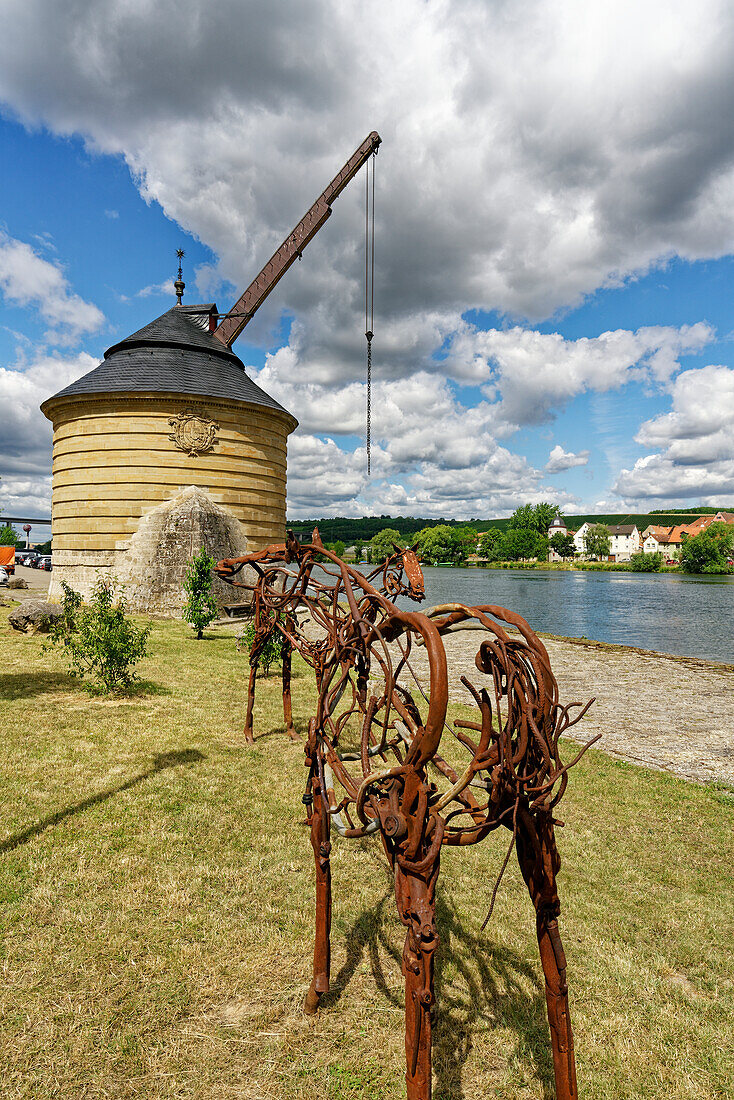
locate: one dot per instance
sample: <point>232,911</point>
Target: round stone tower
<point>169,407</point>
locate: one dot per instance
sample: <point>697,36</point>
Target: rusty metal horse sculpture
<point>375,735</point>
<point>280,619</point>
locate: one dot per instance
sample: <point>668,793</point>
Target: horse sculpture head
<point>402,574</point>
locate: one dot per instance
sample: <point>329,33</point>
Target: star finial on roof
<point>179,285</point>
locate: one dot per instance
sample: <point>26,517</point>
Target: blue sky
<point>528,206</point>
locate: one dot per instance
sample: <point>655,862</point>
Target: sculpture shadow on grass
<point>161,761</point>
<point>479,985</point>
<point>482,985</point>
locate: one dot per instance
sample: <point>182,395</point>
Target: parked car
<point>3,576</point>
<point>26,557</point>
<point>7,559</point>
<point>44,562</point>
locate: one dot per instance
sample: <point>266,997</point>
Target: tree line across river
<point>349,529</point>
<point>525,538</point>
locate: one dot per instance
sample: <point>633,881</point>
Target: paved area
<point>36,579</point>
<point>671,713</point>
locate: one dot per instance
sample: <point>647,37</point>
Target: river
<point>670,613</point>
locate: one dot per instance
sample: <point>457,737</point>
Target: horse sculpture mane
<point>377,729</point>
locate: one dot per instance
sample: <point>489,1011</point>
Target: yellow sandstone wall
<point>113,461</point>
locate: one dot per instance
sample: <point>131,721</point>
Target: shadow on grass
<point>161,761</point>
<point>478,986</point>
<point>137,690</point>
<point>23,685</point>
<point>299,726</point>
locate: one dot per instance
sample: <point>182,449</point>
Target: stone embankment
<point>675,714</point>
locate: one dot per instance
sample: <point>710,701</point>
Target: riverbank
<point>570,566</point>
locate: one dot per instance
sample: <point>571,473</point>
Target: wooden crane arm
<point>232,325</point>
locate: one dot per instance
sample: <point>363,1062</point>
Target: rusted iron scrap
<point>373,759</point>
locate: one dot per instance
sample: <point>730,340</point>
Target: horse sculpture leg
<point>249,735</point>
<point>286,654</point>
<point>540,862</point>
<point>321,844</point>
<point>415,893</point>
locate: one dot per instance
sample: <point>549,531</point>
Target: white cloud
<point>158,290</point>
<point>695,440</point>
<point>26,279</point>
<point>522,167</point>
<point>560,460</point>
<point>429,438</point>
<point>535,373</point>
<point>28,496</point>
<point>25,440</point>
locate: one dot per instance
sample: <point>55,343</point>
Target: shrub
<point>200,608</point>
<point>708,551</point>
<point>99,642</point>
<point>646,563</point>
<point>270,652</point>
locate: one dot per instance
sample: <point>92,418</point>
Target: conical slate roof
<point>173,354</point>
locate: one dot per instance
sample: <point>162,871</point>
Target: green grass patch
<point>156,897</point>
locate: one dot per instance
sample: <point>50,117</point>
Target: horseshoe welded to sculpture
<point>370,745</point>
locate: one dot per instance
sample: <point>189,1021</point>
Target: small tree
<point>99,642</point>
<point>535,517</point>
<point>520,543</point>
<point>338,547</point>
<point>545,513</point>
<point>270,651</point>
<point>8,537</point>
<point>443,543</point>
<point>465,541</point>
<point>358,550</point>
<point>381,544</point>
<point>490,544</point>
<point>563,545</point>
<point>523,517</point>
<point>200,608</point>
<point>596,540</point>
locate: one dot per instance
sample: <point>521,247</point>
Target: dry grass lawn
<point>156,901</point>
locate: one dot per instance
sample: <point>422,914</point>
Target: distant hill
<point>694,511</point>
<point>348,530</point>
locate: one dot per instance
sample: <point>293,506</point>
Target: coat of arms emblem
<point>193,433</point>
